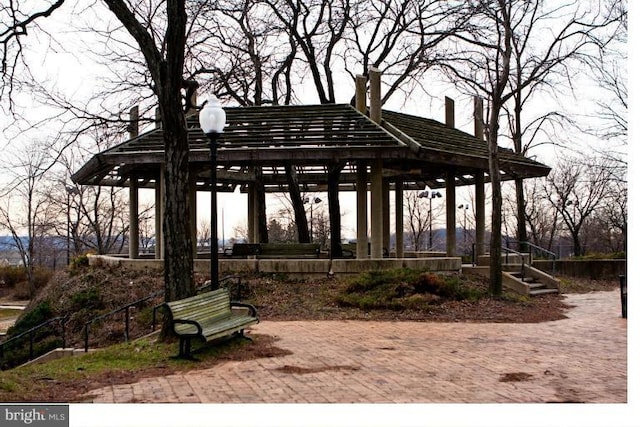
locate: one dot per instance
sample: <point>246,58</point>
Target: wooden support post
<point>159,213</point>
<point>134,229</point>
<point>386,217</point>
<point>399,219</point>
<point>361,93</point>
<point>375,93</point>
<point>376,210</point>
<point>158,118</point>
<point>251,214</point>
<point>451,213</point>
<point>362,245</point>
<point>193,212</point>
<point>449,113</point>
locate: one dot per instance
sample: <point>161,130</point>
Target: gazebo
<point>361,148</point>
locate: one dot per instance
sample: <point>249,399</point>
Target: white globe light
<point>212,116</point>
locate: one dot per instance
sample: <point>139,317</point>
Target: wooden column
<point>450,185</point>
<point>478,110</point>
<point>451,213</point>
<point>193,213</point>
<point>362,239</point>
<point>252,225</point>
<point>386,217</point>
<point>377,205</point>
<point>362,245</point>
<point>399,219</point>
<point>377,210</point>
<point>134,228</point>
<point>375,93</point>
<point>361,93</point>
<point>159,213</point>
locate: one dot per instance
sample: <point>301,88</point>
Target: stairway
<point>534,282</point>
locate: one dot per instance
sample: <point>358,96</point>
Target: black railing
<point>532,251</point>
<point>31,332</point>
<point>236,291</point>
<point>127,321</point>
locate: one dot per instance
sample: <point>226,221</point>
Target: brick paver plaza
<point>579,359</point>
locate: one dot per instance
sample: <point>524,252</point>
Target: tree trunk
<point>261,207</point>
<point>495,246</point>
<point>334,209</point>
<point>298,205</point>
<point>178,256</point>
<point>521,215</point>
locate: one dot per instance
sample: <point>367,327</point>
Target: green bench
<point>242,250</point>
<point>289,250</point>
<point>208,316</point>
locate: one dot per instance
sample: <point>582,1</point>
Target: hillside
<point>88,292</point>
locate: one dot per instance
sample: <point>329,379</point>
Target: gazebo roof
<point>416,150</point>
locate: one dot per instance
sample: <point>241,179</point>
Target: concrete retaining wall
<point>299,268</point>
<point>588,268</point>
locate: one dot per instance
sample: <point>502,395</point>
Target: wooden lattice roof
<point>416,150</point>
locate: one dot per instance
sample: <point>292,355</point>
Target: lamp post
<point>212,122</point>
<point>313,201</point>
<point>430,195</point>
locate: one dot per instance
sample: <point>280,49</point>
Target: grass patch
<point>9,313</point>
<point>122,363</point>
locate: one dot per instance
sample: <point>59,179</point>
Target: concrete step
<point>542,291</point>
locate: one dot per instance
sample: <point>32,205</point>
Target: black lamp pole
<point>212,121</point>
<point>213,139</point>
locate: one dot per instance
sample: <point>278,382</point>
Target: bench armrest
<point>252,310</point>
<point>187,322</point>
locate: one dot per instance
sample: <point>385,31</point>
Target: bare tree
<point>545,62</point>
<point>24,208</point>
<point>576,188</point>
<point>497,60</point>
<point>419,215</point>
<point>541,217</point>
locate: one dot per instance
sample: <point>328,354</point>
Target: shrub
<point>88,299</point>
<point>372,279</point>
<point>40,314</point>
<point>11,275</point>
<point>403,289</point>
<point>78,263</point>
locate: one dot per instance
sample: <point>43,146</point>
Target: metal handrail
<point>543,251</point>
<point>117,310</point>
<point>30,332</point>
<point>530,245</point>
<point>522,263</point>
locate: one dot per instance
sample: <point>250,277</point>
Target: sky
<point>73,70</point>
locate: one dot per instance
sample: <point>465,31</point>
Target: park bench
<point>349,250</point>
<point>208,316</point>
<point>289,250</point>
<point>242,250</point>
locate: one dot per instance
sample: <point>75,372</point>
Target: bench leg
<point>241,334</point>
<point>184,351</point>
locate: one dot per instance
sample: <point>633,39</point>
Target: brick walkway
<point>579,359</point>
